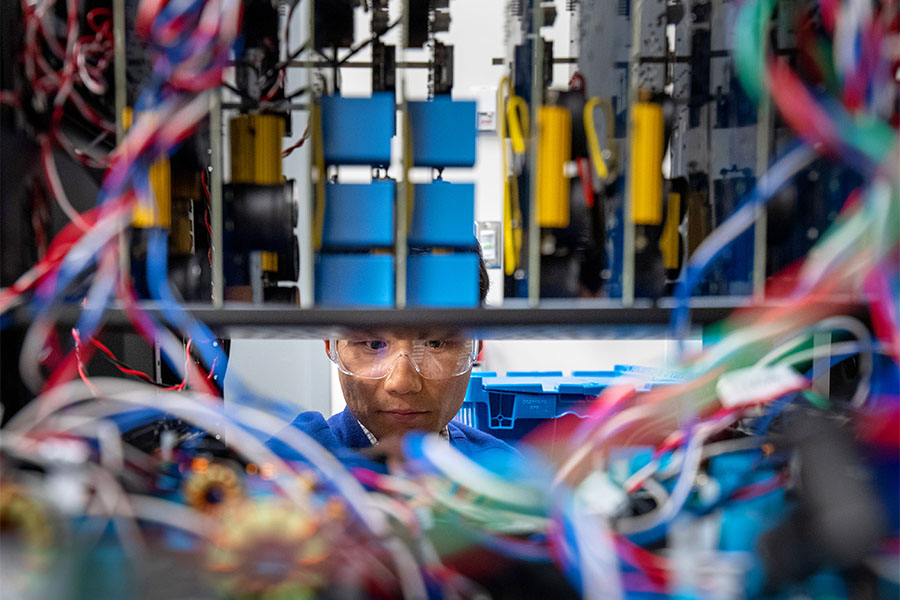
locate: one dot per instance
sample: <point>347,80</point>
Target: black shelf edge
<point>553,319</point>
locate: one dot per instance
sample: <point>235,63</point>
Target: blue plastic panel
<point>359,215</point>
<point>442,280</point>
<point>355,280</point>
<point>443,132</point>
<point>443,215</point>
<point>358,131</point>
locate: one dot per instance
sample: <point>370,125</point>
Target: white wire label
<point>758,385</point>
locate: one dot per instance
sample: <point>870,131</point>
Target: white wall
<point>502,356</point>
<point>295,371</point>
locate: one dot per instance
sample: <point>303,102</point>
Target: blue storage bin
<point>358,131</point>
<point>359,215</point>
<point>355,280</point>
<point>511,406</point>
<point>447,280</point>
<point>655,374</point>
<point>443,215</point>
<point>443,132</point>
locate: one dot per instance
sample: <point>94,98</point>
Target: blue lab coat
<point>341,435</point>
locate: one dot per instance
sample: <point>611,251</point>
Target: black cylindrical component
<point>260,217</point>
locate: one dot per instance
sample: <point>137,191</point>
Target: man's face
<point>403,400</point>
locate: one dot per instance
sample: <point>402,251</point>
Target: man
<point>398,383</point>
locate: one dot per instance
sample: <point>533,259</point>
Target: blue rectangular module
<point>355,280</point>
<point>511,406</point>
<point>442,280</point>
<point>443,132</point>
<point>443,215</point>
<point>358,131</point>
<point>359,215</point>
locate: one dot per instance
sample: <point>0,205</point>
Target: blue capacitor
<point>443,215</point>
<point>355,280</point>
<point>359,215</point>
<point>443,132</point>
<point>448,280</point>
<point>358,131</point>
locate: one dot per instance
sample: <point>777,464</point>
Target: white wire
<point>56,187</point>
<point>116,505</point>
<point>190,408</point>
<point>150,508</point>
<point>690,466</point>
<point>118,393</point>
<point>870,231</point>
<point>846,323</point>
<point>473,476</point>
<point>597,559</point>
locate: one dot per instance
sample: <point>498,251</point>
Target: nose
<point>403,377</point>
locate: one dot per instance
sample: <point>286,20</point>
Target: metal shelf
<point>553,319</point>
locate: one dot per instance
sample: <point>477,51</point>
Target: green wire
<point>871,136</point>
<point>816,399</point>
<point>825,60</point>
<point>749,48</point>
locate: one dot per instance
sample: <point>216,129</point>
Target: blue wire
<point>786,167</point>
<point>205,341</point>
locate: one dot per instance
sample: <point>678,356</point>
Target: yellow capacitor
<point>256,149</point>
<point>161,184</point>
<point>554,151</point>
<point>668,241</point>
<point>269,261</point>
<point>645,171</point>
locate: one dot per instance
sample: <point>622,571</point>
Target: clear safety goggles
<point>432,358</point>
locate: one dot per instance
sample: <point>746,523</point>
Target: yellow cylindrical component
<point>268,261</point>
<point>645,170</point>
<point>668,241</point>
<point>161,184</point>
<point>554,151</point>
<point>256,149</point>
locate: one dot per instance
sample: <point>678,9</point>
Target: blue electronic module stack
<point>355,265</point>
<point>442,268</point>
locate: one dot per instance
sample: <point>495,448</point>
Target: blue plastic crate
<point>359,215</point>
<point>358,131</point>
<point>355,280</point>
<point>650,375</point>
<point>511,406</point>
<point>443,132</point>
<point>445,280</point>
<point>443,215</point>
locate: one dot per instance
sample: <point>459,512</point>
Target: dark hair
<point>484,282</point>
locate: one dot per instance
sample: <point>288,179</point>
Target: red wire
<point>799,109</point>
<point>755,490</point>
<point>655,567</point>
<point>587,185</point>
<point>121,368</point>
<point>205,185</point>
<point>10,98</point>
<point>80,362</point>
<point>278,83</point>
<point>577,82</point>
<point>92,16</point>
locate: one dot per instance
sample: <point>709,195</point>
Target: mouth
<point>406,416</point>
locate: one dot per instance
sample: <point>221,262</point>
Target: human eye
<point>435,344</point>
<point>372,345</point>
